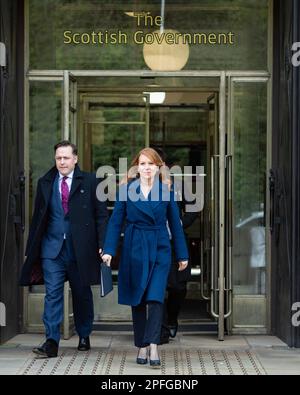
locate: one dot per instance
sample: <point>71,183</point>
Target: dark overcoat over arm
<point>175,225</point>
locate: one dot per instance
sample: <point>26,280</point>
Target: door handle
<point>214,255</point>
<point>22,180</point>
<point>229,236</point>
<point>17,203</point>
<point>272,199</point>
<point>202,228</point>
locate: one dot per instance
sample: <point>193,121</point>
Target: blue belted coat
<point>146,252</point>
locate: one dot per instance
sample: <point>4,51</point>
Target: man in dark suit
<point>65,240</point>
<point>177,280</point>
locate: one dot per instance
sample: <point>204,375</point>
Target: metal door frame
<point>96,98</point>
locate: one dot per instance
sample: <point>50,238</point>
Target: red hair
<point>151,154</point>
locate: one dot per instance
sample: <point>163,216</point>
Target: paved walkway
<point>113,354</point>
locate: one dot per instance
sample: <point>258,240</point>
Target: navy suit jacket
<point>87,220</point>
<point>58,226</point>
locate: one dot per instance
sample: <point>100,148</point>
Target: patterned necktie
<point>65,195</point>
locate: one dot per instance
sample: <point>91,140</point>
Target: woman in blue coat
<point>147,205</point>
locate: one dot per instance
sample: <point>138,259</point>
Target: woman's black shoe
<point>155,363</point>
<point>141,361</point>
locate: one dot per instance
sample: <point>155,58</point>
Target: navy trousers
<point>147,321</point>
<point>56,271</point>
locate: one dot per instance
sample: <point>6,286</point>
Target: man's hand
<point>106,258</point>
<point>182,265</point>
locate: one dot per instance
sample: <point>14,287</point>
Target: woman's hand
<point>182,265</point>
<point>106,258</point>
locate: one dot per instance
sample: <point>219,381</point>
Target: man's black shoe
<point>173,330</point>
<point>47,350</point>
<point>84,344</point>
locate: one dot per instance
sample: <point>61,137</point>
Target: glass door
<point>116,124</point>
<point>238,185</point>
<point>112,126</point>
<point>246,247</point>
<point>52,114</point>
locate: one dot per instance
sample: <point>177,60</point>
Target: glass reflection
<point>90,34</point>
<point>249,192</point>
<point>45,130</point>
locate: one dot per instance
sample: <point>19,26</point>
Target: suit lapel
<point>77,179</point>
<point>58,200</point>
<point>49,178</point>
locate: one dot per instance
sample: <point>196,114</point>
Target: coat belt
<point>144,258</point>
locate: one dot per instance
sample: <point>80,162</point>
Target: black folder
<point>106,284</point>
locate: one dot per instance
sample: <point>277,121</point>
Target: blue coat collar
<point>158,193</point>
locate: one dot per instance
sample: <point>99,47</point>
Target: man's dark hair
<point>161,153</point>
<point>66,143</point>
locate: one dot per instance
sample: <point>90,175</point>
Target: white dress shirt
<point>68,181</point>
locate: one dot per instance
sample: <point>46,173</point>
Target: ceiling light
<point>156,97</point>
<point>166,57</point>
